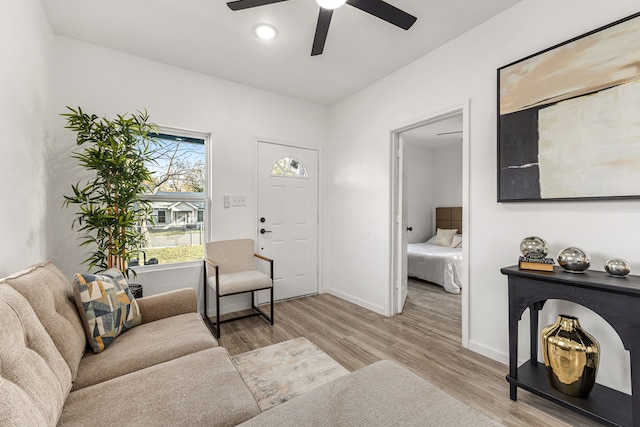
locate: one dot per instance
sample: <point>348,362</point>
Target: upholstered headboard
<point>448,218</point>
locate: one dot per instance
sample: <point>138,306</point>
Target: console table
<point>616,300</point>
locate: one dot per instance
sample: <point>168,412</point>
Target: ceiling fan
<point>377,8</point>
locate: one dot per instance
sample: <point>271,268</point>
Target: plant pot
<point>136,290</point>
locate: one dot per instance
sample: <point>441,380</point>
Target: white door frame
<point>396,182</point>
<point>256,143</point>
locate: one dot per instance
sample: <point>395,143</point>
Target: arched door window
<point>289,167</point>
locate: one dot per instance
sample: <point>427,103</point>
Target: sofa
<point>167,371</point>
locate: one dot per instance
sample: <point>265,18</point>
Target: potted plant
<point>112,207</point>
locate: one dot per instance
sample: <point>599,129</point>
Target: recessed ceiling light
<point>265,32</point>
<point>330,4</point>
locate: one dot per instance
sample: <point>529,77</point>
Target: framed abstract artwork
<point>569,119</point>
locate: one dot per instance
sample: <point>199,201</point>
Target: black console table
<point>616,300</point>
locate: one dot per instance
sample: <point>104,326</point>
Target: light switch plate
<point>227,201</point>
<point>238,200</point>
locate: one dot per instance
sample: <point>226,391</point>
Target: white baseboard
<point>362,303</point>
<point>489,352</point>
<point>231,305</point>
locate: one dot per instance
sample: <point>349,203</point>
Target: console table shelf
<point>614,299</point>
<point>605,404</point>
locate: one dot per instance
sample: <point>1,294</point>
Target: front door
<point>288,216</point>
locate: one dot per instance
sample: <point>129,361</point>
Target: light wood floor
<point>425,338</point>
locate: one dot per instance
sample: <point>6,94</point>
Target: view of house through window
<point>176,233</point>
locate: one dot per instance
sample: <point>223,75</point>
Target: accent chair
<point>230,268</point>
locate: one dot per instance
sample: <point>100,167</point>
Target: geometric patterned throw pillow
<point>106,306</point>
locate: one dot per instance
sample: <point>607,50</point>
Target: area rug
<point>282,371</point>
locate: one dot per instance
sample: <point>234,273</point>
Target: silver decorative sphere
<point>617,267</point>
<point>574,260</point>
<point>534,247</point>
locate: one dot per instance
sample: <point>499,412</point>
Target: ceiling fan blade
<point>246,4</point>
<point>322,29</point>
<point>385,11</point>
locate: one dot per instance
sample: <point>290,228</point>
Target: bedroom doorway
<point>450,125</point>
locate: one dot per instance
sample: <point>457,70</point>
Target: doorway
<point>399,214</point>
<point>288,216</point>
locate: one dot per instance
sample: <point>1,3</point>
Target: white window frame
<point>206,136</point>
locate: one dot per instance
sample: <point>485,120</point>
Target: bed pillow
<point>106,306</point>
<point>444,237</point>
<point>457,241</point>
<point>432,240</point>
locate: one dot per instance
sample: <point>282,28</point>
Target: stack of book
<point>539,264</point>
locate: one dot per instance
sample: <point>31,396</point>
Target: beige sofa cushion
<point>145,345</point>
<point>34,378</point>
<point>167,304</point>
<point>381,394</point>
<point>51,297</point>
<point>201,389</point>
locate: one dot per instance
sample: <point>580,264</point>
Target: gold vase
<point>571,356</point>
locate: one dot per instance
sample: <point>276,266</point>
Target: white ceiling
<point>438,134</point>
<point>207,37</point>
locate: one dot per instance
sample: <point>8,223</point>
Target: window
<point>177,192</point>
<point>289,166</point>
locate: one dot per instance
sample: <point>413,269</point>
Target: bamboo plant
<point>111,206</point>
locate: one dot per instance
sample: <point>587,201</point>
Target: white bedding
<point>436,264</point>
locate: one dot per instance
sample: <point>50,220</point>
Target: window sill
<point>142,269</point>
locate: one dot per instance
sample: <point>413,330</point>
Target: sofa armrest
<point>167,304</point>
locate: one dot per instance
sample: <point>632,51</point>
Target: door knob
<point>262,219</point>
<point>262,231</point>
<point>409,228</point>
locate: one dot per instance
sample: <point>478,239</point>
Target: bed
<point>438,264</point>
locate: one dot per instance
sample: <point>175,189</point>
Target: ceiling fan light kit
<point>265,32</point>
<point>331,4</point>
<point>378,8</point>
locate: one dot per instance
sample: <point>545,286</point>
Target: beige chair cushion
<point>34,378</point>
<point>241,282</point>
<point>231,256</point>
<point>50,295</point>
<point>201,389</point>
<point>146,345</point>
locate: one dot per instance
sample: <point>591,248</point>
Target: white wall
<point>358,159</point>
<point>26,96</point>
<point>434,178</point>
<point>419,192</point>
<point>447,175</point>
<point>106,82</point>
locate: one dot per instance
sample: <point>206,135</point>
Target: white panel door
<point>288,217</point>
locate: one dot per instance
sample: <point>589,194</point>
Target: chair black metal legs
<point>256,311</point>
<point>259,312</point>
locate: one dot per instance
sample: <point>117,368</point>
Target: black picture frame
<point>568,119</point>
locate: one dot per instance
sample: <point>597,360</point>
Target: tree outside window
<point>178,196</point>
